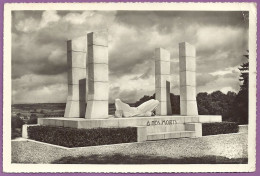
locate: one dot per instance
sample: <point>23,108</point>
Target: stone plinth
<point>187,63</point>
<point>76,60</point>
<point>151,128</point>
<point>98,86</point>
<point>162,74</point>
<point>150,122</point>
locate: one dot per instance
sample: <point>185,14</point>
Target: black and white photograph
<point>143,88</point>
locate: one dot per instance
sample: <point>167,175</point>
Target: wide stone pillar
<point>98,86</point>
<point>76,61</point>
<point>187,63</point>
<point>162,75</point>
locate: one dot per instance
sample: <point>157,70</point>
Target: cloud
<point>39,49</point>
<point>49,17</point>
<point>211,38</point>
<point>129,89</point>
<point>149,71</point>
<point>33,88</point>
<point>31,24</point>
<point>78,18</point>
<point>224,82</point>
<point>27,25</point>
<point>39,44</point>
<point>47,94</point>
<point>227,89</point>
<point>204,79</point>
<point>226,71</point>
<point>182,19</point>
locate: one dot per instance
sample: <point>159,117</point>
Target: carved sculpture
<point>145,109</point>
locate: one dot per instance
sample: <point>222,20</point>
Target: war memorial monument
<point>88,93</point>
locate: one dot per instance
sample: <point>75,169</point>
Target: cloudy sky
<point>39,50</point>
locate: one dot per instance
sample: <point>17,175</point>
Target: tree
<point>175,102</point>
<point>240,106</point>
<point>18,114</point>
<point>33,119</point>
<point>16,122</point>
<point>144,99</point>
<point>244,68</point>
<point>216,103</point>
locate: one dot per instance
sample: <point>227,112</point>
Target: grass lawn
<point>144,159</point>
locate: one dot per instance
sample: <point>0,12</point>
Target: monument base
<point>148,128</point>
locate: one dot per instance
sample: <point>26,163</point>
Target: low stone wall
<point>243,128</point>
<point>25,130</point>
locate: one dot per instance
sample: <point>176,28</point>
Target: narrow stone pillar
<point>187,63</point>
<point>76,60</point>
<point>98,86</point>
<point>162,74</point>
<point>168,96</point>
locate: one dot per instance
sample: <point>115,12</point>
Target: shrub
<point>33,119</point>
<point>16,122</point>
<point>219,128</point>
<point>16,133</point>
<point>72,137</point>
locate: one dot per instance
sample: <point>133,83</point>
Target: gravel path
<point>228,145</point>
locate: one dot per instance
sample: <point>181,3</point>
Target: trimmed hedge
<point>219,128</point>
<point>72,137</point>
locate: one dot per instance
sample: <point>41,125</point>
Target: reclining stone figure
<point>145,109</point>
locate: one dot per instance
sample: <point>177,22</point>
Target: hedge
<point>219,128</point>
<point>72,137</point>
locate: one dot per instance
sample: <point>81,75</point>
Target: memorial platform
<point>148,128</point>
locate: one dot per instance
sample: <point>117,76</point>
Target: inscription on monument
<point>161,122</point>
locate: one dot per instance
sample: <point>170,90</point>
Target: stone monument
<point>88,82</point>
<point>187,64</point>
<point>162,75</point>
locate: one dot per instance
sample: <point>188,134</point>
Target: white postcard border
<point>100,168</point>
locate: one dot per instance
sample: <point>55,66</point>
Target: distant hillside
<point>48,108</point>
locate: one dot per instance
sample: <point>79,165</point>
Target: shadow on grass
<point>144,159</point>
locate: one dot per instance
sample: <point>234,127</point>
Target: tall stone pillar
<point>76,61</point>
<point>187,63</point>
<point>162,74</point>
<point>98,86</point>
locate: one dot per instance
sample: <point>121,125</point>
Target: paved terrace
<point>227,145</point>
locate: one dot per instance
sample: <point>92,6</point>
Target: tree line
<point>232,106</point>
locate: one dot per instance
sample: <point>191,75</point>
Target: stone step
<point>170,135</point>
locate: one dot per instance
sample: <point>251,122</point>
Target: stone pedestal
<point>76,59</point>
<point>98,86</point>
<point>187,63</point>
<point>153,128</point>
<point>162,74</point>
